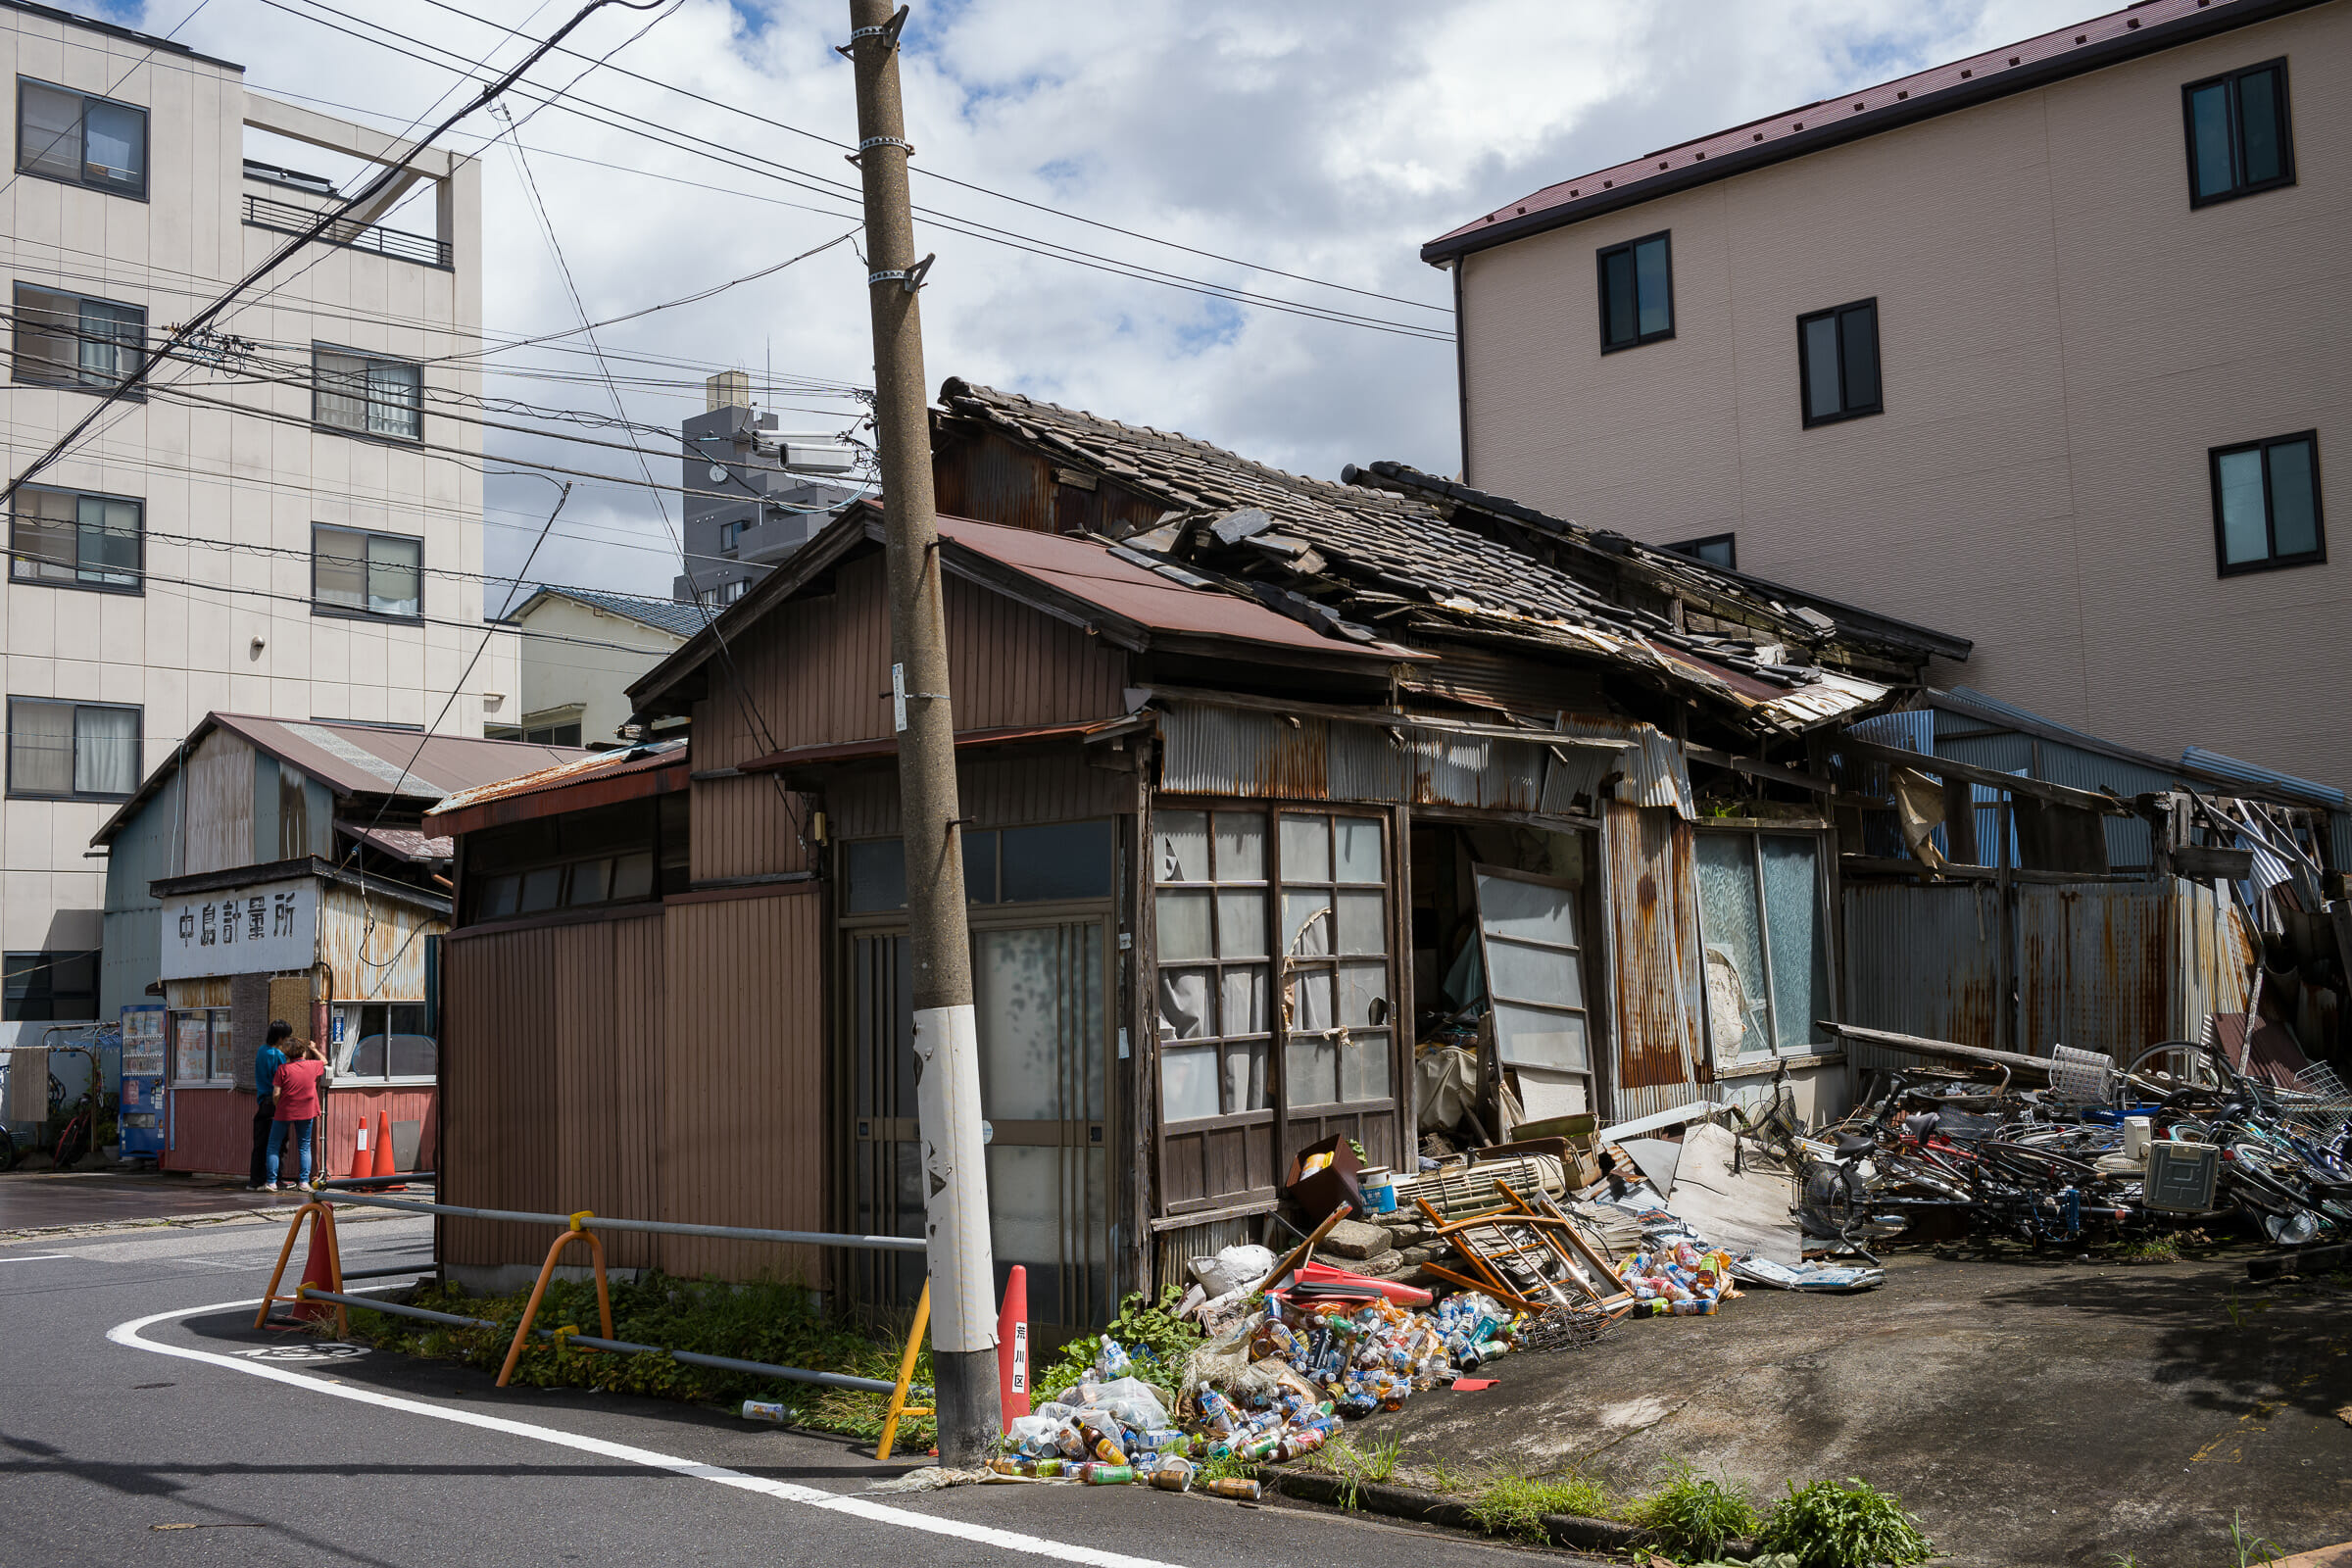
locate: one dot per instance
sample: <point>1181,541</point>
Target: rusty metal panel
<point>2094,966</point>
<point>375,947</point>
<point>987,478</point>
<point>1654,951</point>
<point>1055,786</point>
<point>742,1124</point>
<point>2213,953</point>
<point>1656,772</point>
<point>1920,961</point>
<point>1211,749</point>
<point>220,786</point>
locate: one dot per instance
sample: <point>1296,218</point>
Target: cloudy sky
<point>1322,141</point>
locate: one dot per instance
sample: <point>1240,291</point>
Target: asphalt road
<point>144,1421</point>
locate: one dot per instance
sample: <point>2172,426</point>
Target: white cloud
<point>1329,141</point>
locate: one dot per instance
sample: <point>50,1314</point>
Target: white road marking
<point>36,1257</point>
<point>127,1334</point>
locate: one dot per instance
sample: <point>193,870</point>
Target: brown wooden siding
<point>741,1125</point>
<point>819,673</point>
<point>554,1089</point>
<point>1005,792</point>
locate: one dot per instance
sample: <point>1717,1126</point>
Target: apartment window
<point>725,594</point>
<point>383,1042</point>
<point>50,987</point>
<point>1764,923</point>
<point>358,573</point>
<point>76,541</point>
<point>2266,504</point>
<point>1716,550</point>
<point>71,340</point>
<point>728,534</point>
<point>1838,360</point>
<point>2238,141</point>
<point>366,394</point>
<point>1637,293</point>
<point>68,135</point>
<point>59,750</point>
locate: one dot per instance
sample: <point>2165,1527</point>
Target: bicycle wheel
<point>7,1151</point>
<point>72,1142</point>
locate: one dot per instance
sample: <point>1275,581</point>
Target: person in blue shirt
<point>266,1063</point>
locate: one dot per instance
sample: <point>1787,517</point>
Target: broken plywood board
<point>1750,1211</point>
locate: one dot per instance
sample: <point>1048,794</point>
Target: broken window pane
<point>1180,846</point>
<point>1731,929</point>
<point>1184,1005</point>
<point>1306,923</point>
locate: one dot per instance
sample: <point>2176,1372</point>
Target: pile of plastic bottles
<point>1678,1278</point>
<point>1306,1368</point>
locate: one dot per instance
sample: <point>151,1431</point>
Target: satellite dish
<point>718,474</point>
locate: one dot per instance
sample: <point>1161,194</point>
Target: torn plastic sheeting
<point>1817,1277</point>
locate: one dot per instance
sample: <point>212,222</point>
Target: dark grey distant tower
<point>743,512</point>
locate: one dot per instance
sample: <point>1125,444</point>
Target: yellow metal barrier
<point>898,1399</point>
<point>604,1301</point>
<point>322,1222</point>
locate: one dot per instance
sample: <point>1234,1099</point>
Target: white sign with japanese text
<point>256,930</point>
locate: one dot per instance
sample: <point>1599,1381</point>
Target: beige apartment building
<point>288,523</point>
<point>2049,348</point>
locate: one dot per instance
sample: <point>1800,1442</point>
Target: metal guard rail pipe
<point>719,1363</point>
<point>731,1233</point>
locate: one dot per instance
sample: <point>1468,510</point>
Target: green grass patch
<point>1692,1515</point>
<point>1515,1505</point>
<point>1826,1525</point>
<point>2164,1249</point>
<point>1355,1464</point>
<point>1159,1341</point>
<point>762,1320</point>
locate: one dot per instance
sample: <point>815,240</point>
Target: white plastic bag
<point>1235,1268</point>
<point>1132,1400</point>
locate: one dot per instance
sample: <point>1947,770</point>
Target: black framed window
<point>72,540</point>
<point>1716,550</point>
<point>384,1042</point>
<point>50,987</point>
<point>64,751</point>
<point>2266,504</point>
<point>72,136</point>
<point>1837,363</point>
<point>1637,292</point>
<point>353,572</point>
<point>72,340</point>
<point>366,394</point>
<point>2239,138</point>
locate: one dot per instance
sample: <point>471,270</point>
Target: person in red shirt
<point>297,1085</point>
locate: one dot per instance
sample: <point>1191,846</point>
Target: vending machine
<point>143,1108</point>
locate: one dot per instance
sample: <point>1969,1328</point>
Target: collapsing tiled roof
<point>1395,557</point>
<point>2138,29</point>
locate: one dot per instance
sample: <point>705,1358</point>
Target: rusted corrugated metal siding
<point>820,674</point>
<point>2213,957</point>
<point>2095,967</point>
<point>375,946</point>
<point>219,824</point>
<point>1656,768</point>
<point>1920,961</point>
<point>1654,951</point>
<point>1058,786</point>
<point>987,478</point>
<point>743,1124</point>
<point>1211,749</point>
<point>552,1058</point>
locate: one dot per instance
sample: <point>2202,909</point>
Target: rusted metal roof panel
<point>1656,768</point>
<point>363,760</point>
<point>402,843</point>
<point>579,769</point>
<point>1087,570</point>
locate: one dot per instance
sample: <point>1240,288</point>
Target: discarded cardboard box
<point>1335,1184</point>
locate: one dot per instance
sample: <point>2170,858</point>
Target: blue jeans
<point>278,1142</point>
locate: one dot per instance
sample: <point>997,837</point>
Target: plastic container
<point>2138,1133</point>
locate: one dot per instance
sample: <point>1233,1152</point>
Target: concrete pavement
<point>188,1439</point>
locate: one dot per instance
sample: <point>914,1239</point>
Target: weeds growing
<point>1355,1465</point>
<point>1850,1526</point>
<point>765,1320</point>
<point>2251,1550</point>
<point>1515,1505</point>
<point>1693,1516</point>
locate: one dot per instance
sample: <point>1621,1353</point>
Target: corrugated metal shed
<point>1920,961</point>
<point>1213,749</point>
<point>2118,967</point>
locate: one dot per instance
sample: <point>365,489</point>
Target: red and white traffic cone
<point>1013,1347</point>
<point>361,1165</point>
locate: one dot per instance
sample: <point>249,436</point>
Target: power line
<point>708,150</point>
<point>984,190</point>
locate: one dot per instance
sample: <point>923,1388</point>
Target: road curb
<point>1433,1508</point>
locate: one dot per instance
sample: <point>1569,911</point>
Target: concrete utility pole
<point>947,1047</point>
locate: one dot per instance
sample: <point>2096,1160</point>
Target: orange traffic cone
<point>318,1272</point>
<point>1013,1347</point>
<point>361,1165</point>
<point>384,1166</point>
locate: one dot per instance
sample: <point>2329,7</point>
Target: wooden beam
<point>1756,769</point>
<point>1944,767</point>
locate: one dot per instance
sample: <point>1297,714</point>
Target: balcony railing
<point>291,217</point>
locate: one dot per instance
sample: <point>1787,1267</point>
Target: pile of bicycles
<point>1940,1154</point>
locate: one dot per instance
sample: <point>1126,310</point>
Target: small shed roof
<point>358,759</point>
<point>677,616</point>
<point>602,778</point>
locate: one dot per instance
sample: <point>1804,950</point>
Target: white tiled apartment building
<point>288,523</point>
